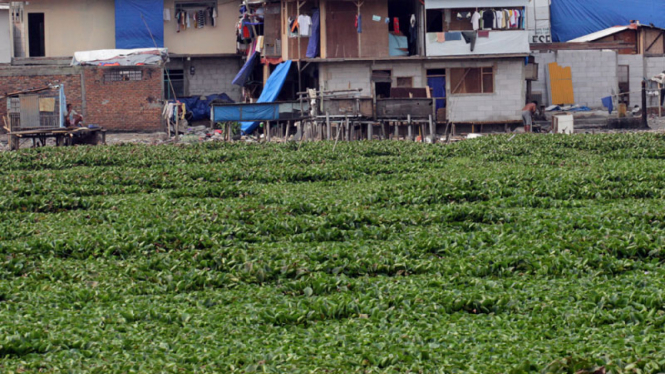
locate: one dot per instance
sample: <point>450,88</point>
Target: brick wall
<point>124,105</point>
<point>13,79</point>
<point>116,106</point>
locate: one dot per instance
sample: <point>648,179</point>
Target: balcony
<point>495,43</point>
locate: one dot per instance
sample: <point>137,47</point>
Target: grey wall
<point>594,74</point>
<point>504,105</point>
<point>5,41</point>
<point>214,76</point>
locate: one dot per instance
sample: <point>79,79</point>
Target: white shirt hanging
<point>305,23</point>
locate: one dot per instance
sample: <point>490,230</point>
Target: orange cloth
<point>440,37</point>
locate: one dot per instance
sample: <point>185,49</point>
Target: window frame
<point>484,70</point>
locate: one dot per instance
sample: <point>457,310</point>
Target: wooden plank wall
<point>374,38</point>
<point>341,35</point>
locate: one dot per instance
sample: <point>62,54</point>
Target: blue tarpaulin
<point>241,77</point>
<point>313,45</point>
<point>247,112</point>
<point>201,108</point>
<point>438,86</point>
<point>270,91</point>
<point>574,18</point>
<point>137,22</point>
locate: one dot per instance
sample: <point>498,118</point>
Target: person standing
<point>527,115</point>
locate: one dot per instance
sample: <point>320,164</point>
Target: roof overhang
<point>457,4</point>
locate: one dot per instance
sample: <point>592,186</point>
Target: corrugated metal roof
<point>599,34</point>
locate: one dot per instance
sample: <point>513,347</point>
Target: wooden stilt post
<point>422,132</point>
<point>286,134</point>
<point>267,131</point>
<point>370,131</point>
<point>408,119</point>
<point>432,129</point>
<point>328,127</point>
<point>348,130</point>
<point>396,136</point>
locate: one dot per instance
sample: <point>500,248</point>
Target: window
<point>382,82</point>
<point>404,81</point>
<point>177,78</point>
<point>36,38</point>
<point>472,80</point>
<point>123,75</point>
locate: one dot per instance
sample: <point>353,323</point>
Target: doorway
<point>436,80</point>
<point>36,38</point>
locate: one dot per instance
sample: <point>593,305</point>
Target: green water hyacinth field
<point>540,254</point>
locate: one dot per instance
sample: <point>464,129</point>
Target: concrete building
<point>615,62</point>
<point>5,37</point>
<point>41,36</point>
<point>407,44</point>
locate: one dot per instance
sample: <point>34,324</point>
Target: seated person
<point>72,118</point>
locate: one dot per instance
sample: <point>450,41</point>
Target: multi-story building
<point>474,66</point>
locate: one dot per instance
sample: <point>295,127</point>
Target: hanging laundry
<point>201,19</point>
<point>167,14</point>
<point>448,16</point>
<point>213,16</point>
<point>497,19</point>
<point>440,37</point>
<point>607,103</point>
<point>413,33</point>
<point>475,18</point>
<point>481,22</point>
<point>461,16</point>
<point>305,23</point>
<point>387,21</point>
<point>359,23</point>
<point>313,44</point>
<point>506,19</point>
<point>453,36</point>
<point>188,22</point>
<point>396,28</point>
<point>470,38</point>
<point>178,15</point>
<point>488,19</point>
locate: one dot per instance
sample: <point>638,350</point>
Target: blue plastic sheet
<point>313,46</point>
<point>244,112</point>
<point>270,91</point>
<point>241,77</point>
<point>63,104</point>
<point>398,45</point>
<point>200,109</point>
<point>574,18</point>
<point>438,86</point>
<point>137,22</point>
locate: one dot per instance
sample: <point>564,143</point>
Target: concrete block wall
<point>540,86</point>
<point>346,75</point>
<point>504,105</point>
<point>213,76</point>
<point>635,74</point>
<point>404,69</point>
<point>594,75</point>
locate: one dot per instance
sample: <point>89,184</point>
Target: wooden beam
<point>581,46</point>
<point>654,42</point>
